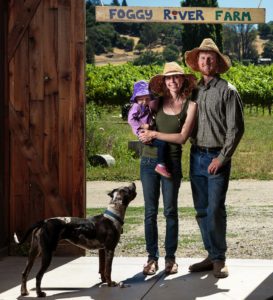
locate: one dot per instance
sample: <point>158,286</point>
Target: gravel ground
<point>250,226</point>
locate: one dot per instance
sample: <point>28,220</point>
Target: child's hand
<point>145,126</point>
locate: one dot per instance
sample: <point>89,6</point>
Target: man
<point>218,131</point>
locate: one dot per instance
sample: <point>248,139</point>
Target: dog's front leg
<point>102,264</point>
<point>108,267</point>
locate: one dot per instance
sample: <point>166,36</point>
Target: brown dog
<point>99,232</point>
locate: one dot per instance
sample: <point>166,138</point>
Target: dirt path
<point>249,224</point>
<point>240,193</point>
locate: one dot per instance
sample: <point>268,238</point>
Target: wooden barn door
<point>46,55</point>
<point>4,135</point>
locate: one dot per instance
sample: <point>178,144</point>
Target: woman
<point>174,122</point>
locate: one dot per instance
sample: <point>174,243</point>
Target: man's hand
<point>214,166</point>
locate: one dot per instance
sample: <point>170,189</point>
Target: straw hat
<point>156,83</point>
<point>191,57</point>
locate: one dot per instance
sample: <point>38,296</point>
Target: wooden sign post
<point>180,14</point>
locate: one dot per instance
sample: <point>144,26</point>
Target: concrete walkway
<point>79,279</point>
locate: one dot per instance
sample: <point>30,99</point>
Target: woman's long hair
<point>185,91</point>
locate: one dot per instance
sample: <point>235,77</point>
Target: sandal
<point>150,268</point>
<point>171,267</point>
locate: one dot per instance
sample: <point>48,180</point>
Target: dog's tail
<point>36,225</point>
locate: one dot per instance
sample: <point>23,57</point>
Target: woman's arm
<point>177,138</point>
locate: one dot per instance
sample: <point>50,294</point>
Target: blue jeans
<point>209,196</point>
<point>151,182</point>
<point>162,148</point>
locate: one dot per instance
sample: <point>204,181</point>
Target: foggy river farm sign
<point>180,14</point>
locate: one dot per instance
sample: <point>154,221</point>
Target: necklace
<point>171,105</point>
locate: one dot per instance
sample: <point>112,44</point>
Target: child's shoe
<point>162,170</point>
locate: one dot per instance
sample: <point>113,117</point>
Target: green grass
<point>243,224</point>
<point>253,158</point>
<point>135,215</point>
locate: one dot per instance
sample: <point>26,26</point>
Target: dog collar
<point>116,217</point>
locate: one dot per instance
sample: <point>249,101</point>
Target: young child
<point>140,117</point>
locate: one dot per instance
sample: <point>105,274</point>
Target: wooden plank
<point>51,94</point>
<point>78,107</point>
<point>53,4</point>
<point>36,134</point>
<point>65,101</point>
<point>36,69</point>
<point>21,25</point>
<point>4,134</point>
<point>197,15</point>
<point>64,49</point>
<point>14,9</point>
<point>36,109</point>
<point>51,146</point>
<point>50,46</point>
<point>47,184</point>
<point>19,187</point>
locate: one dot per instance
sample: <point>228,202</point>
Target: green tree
<point>231,42</point>
<point>171,53</point>
<point>115,3</point>
<point>149,34</point>
<point>239,41</point>
<point>124,43</point>
<point>124,3</point>
<point>268,50</point>
<point>149,58</point>
<point>248,34</point>
<point>139,48</point>
<point>264,30</point>
<point>90,30</point>
<point>129,45</point>
<point>104,38</point>
<point>193,34</point>
<point>170,34</point>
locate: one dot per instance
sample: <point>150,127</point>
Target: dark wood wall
<point>4,135</point>
<point>46,110</point>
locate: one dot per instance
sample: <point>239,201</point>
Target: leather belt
<point>207,149</point>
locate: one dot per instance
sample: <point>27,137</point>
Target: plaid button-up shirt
<point>220,121</point>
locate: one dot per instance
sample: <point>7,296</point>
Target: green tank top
<point>168,124</point>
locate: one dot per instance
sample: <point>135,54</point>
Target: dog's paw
<point>24,293</point>
<point>112,284</point>
<point>41,294</point>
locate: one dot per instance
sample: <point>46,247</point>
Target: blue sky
<point>267,4</point>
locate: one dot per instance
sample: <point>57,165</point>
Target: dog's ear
<point>132,186</point>
<point>111,194</point>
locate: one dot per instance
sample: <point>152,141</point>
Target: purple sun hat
<point>141,88</point>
